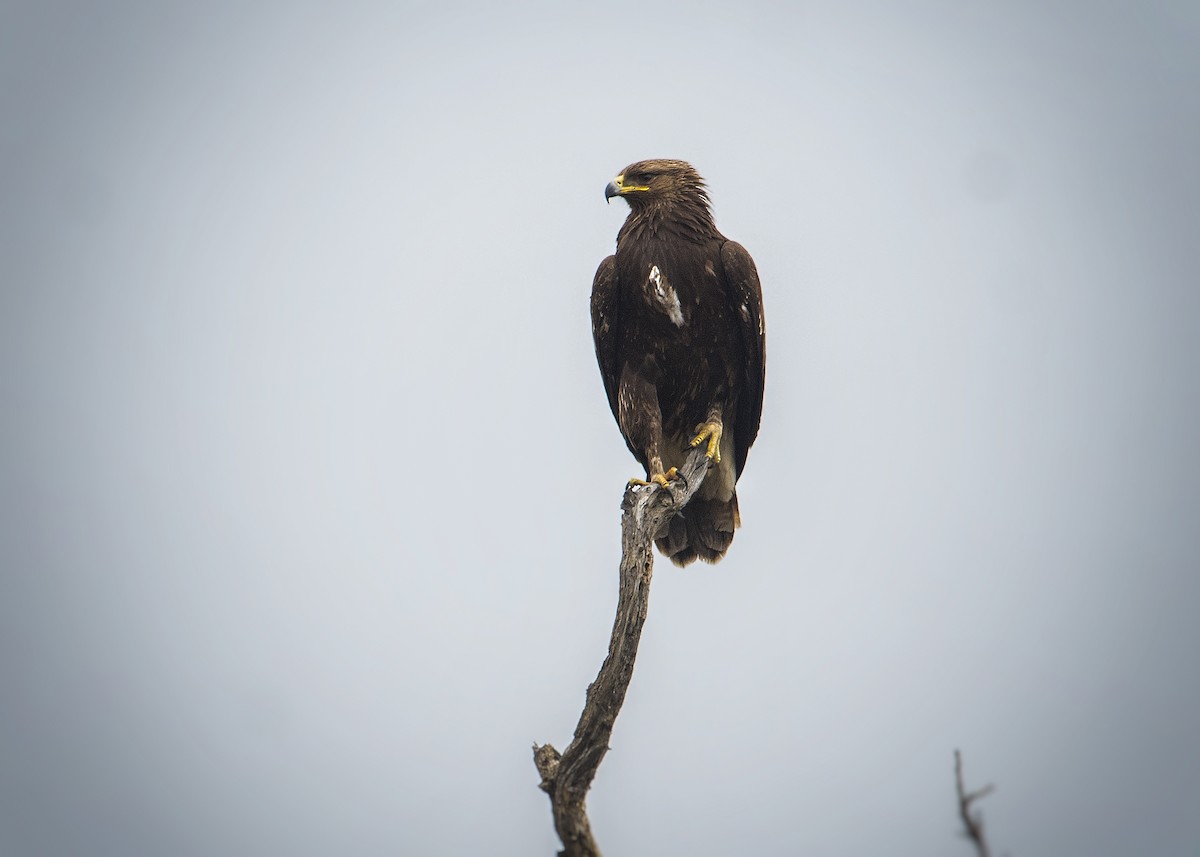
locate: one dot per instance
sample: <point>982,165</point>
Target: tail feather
<point>703,529</point>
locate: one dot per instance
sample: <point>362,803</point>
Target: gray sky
<point>309,488</point>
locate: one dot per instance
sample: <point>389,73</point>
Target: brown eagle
<point>677,318</point>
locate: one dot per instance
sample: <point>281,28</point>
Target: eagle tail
<point>702,530</point>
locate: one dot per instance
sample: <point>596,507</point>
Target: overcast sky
<point>309,487</point>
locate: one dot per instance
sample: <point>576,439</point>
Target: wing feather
<point>745,292</point>
<point>605,331</point>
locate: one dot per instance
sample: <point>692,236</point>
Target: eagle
<point>677,320</point>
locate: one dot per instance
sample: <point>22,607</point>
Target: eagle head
<point>645,184</point>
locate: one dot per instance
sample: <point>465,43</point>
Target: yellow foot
<point>710,431</point>
<point>662,479</point>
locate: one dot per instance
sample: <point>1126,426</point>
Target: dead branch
<point>566,777</point>
<point>972,823</point>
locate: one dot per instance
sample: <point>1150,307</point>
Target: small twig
<point>972,823</point>
<point>566,777</point>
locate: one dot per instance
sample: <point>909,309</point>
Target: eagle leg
<point>663,479</point>
<point>710,431</point>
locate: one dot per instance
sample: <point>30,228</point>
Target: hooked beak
<point>613,188</point>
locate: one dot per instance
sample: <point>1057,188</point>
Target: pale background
<point>309,488</point>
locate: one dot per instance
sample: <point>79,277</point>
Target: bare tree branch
<point>566,777</point>
<point>972,823</point>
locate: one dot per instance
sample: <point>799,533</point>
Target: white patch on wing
<point>663,295</point>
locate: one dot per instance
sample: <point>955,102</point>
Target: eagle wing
<point>745,294</point>
<point>604,329</point>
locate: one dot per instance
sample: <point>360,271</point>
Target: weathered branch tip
<point>973,823</point>
<point>567,776</point>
